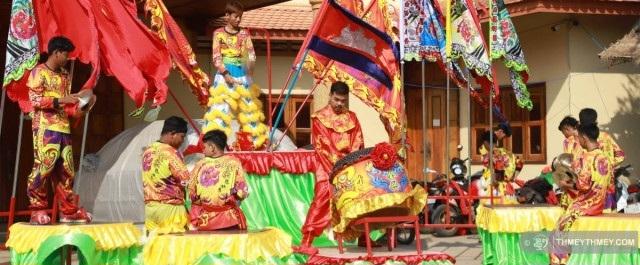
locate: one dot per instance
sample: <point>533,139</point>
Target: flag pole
<point>16,168</point>
<point>294,79</point>
<point>2,101</point>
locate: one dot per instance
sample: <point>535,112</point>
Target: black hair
<point>234,7</point>
<point>588,116</point>
<point>487,134</point>
<point>217,137</point>
<point>340,88</point>
<point>589,130</point>
<point>568,121</point>
<point>505,127</point>
<point>174,124</point>
<point>60,44</point>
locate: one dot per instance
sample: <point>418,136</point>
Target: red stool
<point>391,232</point>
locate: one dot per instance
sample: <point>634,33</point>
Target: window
<point>300,131</point>
<point>528,139</point>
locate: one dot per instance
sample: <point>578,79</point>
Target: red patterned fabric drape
<point>294,162</point>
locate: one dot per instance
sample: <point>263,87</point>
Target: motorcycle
<point>627,190</point>
<point>459,209</point>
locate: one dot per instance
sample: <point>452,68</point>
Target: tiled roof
<point>285,16</point>
<point>291,15</point>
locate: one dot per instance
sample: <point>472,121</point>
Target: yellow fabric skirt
<point>248,246</point>
<point>517,219</point>
<point>162,218</point>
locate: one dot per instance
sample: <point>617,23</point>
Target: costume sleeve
<point>485,157</point>
<point>322,144</point>
<point>36,90</point>
<point>178,168</point>
<point>193,180</point>
<point>618,154</point>
<point>249,50</point>
<point>240,187</point>
<point>585,177</point>
<point>216,53</point>
<point>482,151</point>
<point>519,163</point>
<point>357,140</point>
<point>566,147</point>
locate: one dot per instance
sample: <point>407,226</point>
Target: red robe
<point>334,136</point>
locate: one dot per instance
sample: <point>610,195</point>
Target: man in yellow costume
<point>233,94</point>
<point>610,149</point>
<point>164,176</point>
<point>53,105</point>
<point>506,166</point>
<point>570,145</point>
<point>594,171</point>
<point>216,187</point>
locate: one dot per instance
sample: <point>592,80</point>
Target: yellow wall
<point>566,60</point>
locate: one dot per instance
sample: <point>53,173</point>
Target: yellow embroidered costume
<point>216,187</point>
<point>164,176</point>
<point>231,54</point>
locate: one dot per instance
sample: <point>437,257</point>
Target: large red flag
<point>131,52</point>
<point>109,36</point>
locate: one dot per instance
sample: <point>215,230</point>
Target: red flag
<point>182,56</point>
<point>74,20</point>
<point>131,52</point>
<point>109,36</point>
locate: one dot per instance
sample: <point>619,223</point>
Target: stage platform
<point>464,249</point>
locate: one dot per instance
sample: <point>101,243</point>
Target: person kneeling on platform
<point>164,176</point>
<point>217,185</point>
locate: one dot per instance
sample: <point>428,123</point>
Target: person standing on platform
<point>53,104</point>
<point>335,133</point>
<point>233,94</point>
<point>216,187</point>
<point>164,176</point>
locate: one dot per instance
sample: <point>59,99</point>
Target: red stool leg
<point>395,240</point>
<point>340,248</point>
<point>390,239</point>
<point>368,240</point>
<point>416,226</point>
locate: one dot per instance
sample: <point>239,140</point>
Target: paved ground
<point>466,249</point>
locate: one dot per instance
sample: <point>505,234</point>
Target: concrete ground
<point>466,250</point>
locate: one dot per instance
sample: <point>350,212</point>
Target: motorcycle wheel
<point>438,217</point>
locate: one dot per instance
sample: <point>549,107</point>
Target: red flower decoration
<point>384,156</point>
<point>23,25</point>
